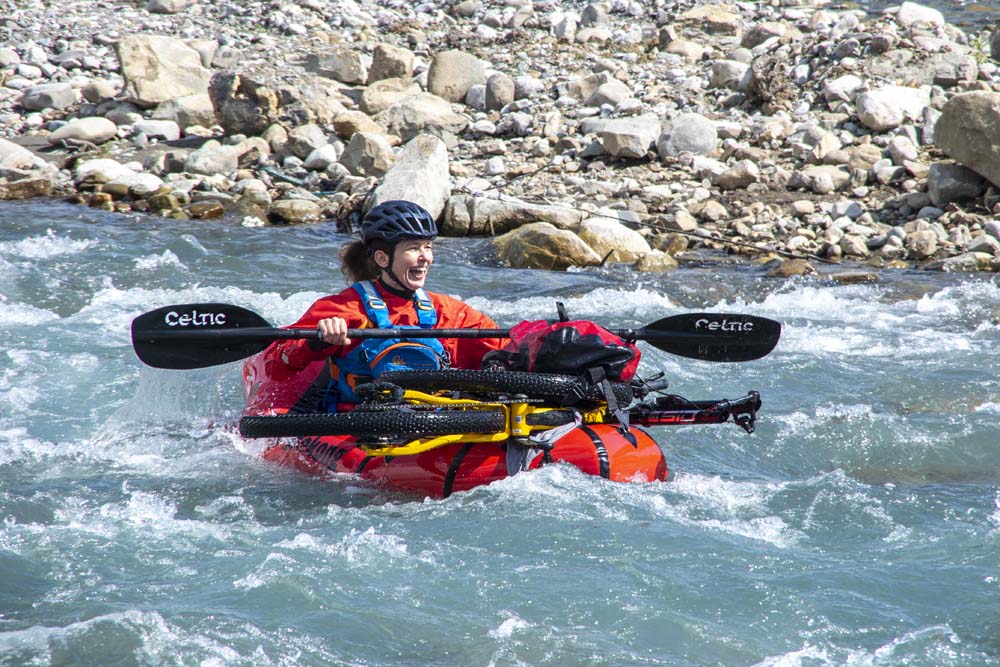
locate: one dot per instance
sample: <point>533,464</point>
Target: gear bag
<point>372,356</point>
<point>566,348</point>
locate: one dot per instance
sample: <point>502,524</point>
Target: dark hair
<point>356,263</point>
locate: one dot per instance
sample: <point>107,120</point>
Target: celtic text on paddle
<point>724,325</point>
<point>194,319</point>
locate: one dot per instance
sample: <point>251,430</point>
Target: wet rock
<point>293,211</point>
<point>655,261</point>
<point>541,245</point>
<point>609,238</point>
<point>792,267</point>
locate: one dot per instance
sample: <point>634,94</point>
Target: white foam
<point>19,314</point>
<point>153,262</point>
<point>44,247</point>
<point>508,627</point>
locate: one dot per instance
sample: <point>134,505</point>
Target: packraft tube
<point>287,408</point>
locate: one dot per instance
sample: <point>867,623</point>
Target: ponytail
<point>356,264</point>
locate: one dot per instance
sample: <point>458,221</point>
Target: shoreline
<point>572,133</point>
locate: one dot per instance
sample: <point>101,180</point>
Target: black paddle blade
<point>196,335</point>
<point>713,336</point>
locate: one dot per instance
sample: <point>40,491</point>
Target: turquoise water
<point>860,524</point>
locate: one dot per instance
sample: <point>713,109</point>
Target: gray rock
<point>304,139</point>
<point>340,64</point>
<point>419,114</point>
<point>467,215</point>
<point>499,92</point>
<point>167,6</point>
<point>420,174</point>
<point>452,73</point>
<point>94,130</point>
<point>368,154</point>
<point>730,74</point>
<point>390,62</point>
<point>158,68</point>
<point>911,14</point>
<point>889,107</point>
<point>382,94</point>
<point>186,111</point>
<point>612,92</point>
<point>739,176</point>
<point>921,244</point>
<point>967,131</point>
<point>49,96</point>
<point>243,105</point>
<point>687,133</point>
<point>211,159</point>
<point>948,183</point>
<point>167,130</point>
<point>629,137</point>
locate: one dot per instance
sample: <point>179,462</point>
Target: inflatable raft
<point>437,432</point>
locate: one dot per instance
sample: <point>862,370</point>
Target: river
<point>859,525</point>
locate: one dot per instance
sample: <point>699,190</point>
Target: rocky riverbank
<point>572,132</point>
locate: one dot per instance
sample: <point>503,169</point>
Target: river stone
<point>655,261</point>
<point>290,211</point>
<point>715,19</point>
<point>911,14</point>
<point>889,107</point>
<point>243,105</point>
<point>739,175</point>
<point>541,245</point>
<point>612,93</point>
<point>49,96</point>
<point>24,185</point>
<point>390,62</point>
<point>921,244</point>
<point>99,171</point>
<point>420,174</point>
<point>468,215</point>
<point>166,130</point>
<point>167,6</point>
<point>340,64</point>
<point>304,139</point>
<point>368,154</point>
<point>969,132</point>
<point>138,184</point>
<point>629,137</point>
<point>212,158</point>
<point>610,236</point>
<point>420,114</point>
<point>842,89</point>
<point>984,243</point>
<point>382,94</point>
<point>348,123</point>
<point>499,92</point>
<point>158,68</point>
<point>14,156</point>
<point>186,111</point>
<point>948,183</point>
<point>452,73</point>
<point>687,133</point>
<point>93,129</point>
<point>325,155</point>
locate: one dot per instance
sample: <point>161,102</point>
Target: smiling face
<point>411,261</point>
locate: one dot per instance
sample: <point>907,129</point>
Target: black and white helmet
<point>394,221</point>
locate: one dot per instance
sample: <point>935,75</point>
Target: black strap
<point>599,377</point>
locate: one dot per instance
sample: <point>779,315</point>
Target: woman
<point>387,269</point>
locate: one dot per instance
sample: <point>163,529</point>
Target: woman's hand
<point>333,331</point>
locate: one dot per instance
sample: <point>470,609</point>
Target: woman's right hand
<point>333,331</point>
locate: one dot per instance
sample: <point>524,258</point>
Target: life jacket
<point>374,356</point>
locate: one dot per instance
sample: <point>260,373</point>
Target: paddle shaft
<point>265,334</point>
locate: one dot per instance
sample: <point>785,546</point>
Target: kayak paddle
<point>197,335</point>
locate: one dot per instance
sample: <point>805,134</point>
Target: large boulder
<point>420,175</point>
<point>382,94</point>
<point>687,133</point>
<point>92,130</point>
<point>157,68</point>
<point>541,245</point>
<point>969,131</point>
<point>467,215</point>
<point>49,96</point>
<point>368,154</point>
